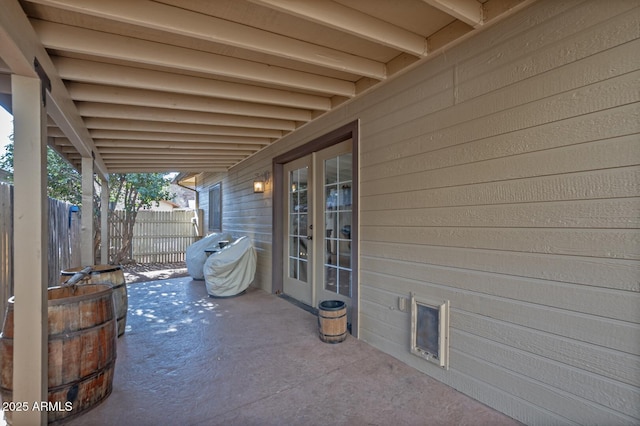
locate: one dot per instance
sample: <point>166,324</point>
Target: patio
<point>257,360</point>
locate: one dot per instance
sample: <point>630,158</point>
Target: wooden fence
<point>158,236</point>
<point>64,241</point>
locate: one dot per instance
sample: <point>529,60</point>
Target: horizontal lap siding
<point>510,186</point>
<point>502,175</point>
<point>514,172</point>
<point>245,213</point>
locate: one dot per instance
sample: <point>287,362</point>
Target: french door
<point>317,249</point>
<point>298,228</point>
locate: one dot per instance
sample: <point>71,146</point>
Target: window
<point>430,330</point>
<point>215,208</point>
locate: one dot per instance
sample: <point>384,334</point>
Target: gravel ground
<point>140,272</point>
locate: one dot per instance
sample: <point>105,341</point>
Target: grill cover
<point>231,270</point>
<point>195,255</point>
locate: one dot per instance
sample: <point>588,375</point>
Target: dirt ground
<point>138,272</point>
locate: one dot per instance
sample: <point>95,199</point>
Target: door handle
<point>309,237</point>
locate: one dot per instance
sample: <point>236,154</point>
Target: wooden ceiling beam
<point>92,109</point>
<point>169,162</point>
<point>112,46</point>
<point>151,14</point>
<point>144,158</point>
<point>147,158</point>
<point>144,155</point>
<point>125,144</point>
<point>160,126</point>
<point>187,149</point>
<point>19,45</point>
<point>447,35</point>
<point>165,168</point>
<point>125,76</point>
<point>468,11</point>
<point>140,97</point>
<point>198,139</point>
<point>351,21</point>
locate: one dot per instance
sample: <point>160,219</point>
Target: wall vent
<point>430,330</point>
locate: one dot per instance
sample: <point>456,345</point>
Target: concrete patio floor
<point>256,359</point>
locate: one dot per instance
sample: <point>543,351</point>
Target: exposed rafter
<point>139,97</point>
<point>351,21</point>
<point>85,41</point>
<point>468,11</point>
<point>19,44</point>
<point>155,15</point>
<point>164,85</point>
<point>187,128</point>
<point>99,136</point>
<point>94,109</point>
<point>125,144</point>
<point>119,75</point>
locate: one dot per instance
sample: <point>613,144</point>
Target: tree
<point>63,181</point>
<point>132,192</point>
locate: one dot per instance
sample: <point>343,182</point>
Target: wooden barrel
<point>332,321</point>
<point>106,274</point>
<point>81,348</point>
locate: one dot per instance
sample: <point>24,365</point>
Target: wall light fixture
<point>260,182</point>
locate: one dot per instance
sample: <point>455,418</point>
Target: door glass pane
<point>337,215</point>
<point>293,247</point>
<point>344,168</point>
<point>303,260</point>
<point>344,241</point>
<point>344,196</point>
<point>297,185</point>
<point>302,223</point>
<point>293,225</point>
<point>331,171</point>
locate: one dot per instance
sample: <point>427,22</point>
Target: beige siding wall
<point>244,213</point>
<point>503,175</point>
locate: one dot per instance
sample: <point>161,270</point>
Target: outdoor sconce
<point>260,182</point>
<point>258,186</point>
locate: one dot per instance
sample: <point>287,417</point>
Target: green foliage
<point>130,192</point>
<point>6,161</point>
<point>134,191</point>
<point>63,181</point>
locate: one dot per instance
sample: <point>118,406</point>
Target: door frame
<point>341,134</point>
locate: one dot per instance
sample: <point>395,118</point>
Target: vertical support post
<point>87,253</point>
<point>104,223</point>
<point>30,363</point>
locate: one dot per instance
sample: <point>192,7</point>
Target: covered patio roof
<point>198,86</point>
